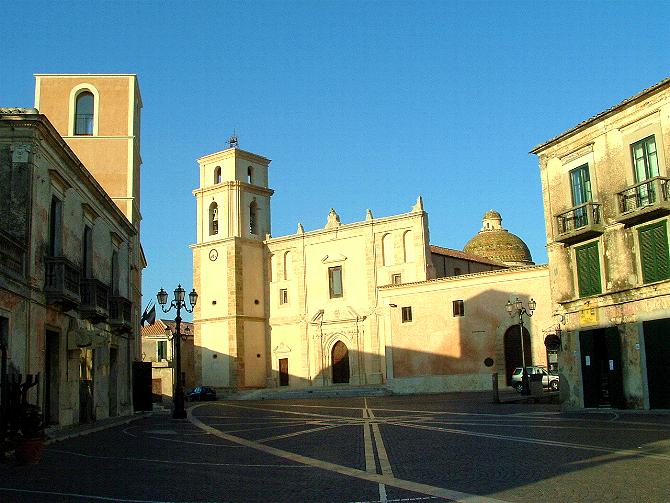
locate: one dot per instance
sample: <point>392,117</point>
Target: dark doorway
<point>141,386</point>
<point>601,368</point>
<point>513,359</point>
<point>86,383</point>
<point>283,371</point>
<point>52,375</point>
<point>657,349</point>
<point>113,380</point>
<point>340,359</point>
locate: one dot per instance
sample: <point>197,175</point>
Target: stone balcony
<point>579,223</point>
<point>643,201</point>
<point>62,283</point>
<point>120,313</point>
<point>94,300</point>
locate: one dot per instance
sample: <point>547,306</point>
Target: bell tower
<point>232,218</point>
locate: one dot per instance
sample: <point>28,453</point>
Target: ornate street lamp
<point>517,308</point>
<point>178,303</point>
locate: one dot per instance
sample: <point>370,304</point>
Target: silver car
<point>549,381</point>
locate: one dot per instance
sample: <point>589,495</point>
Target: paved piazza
<point>412,448</point>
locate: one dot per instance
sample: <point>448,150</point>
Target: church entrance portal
<point>513,351</point>
<point>340,359</point>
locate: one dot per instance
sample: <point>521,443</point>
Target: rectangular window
<point>458,308</point>
<point>588,269</point>
<point>161,350</point>
<point>580,183</point>
<point>335,281</point>
<point>396,279</point>
<point>87,252</point>
<point>645,160</point>
<point>283,296</point>
<point>654,256</point>
<point>406,314</point>
<point>55,227</point>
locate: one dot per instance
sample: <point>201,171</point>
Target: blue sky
<point>364,104</point>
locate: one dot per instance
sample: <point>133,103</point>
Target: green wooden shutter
<point>588,269</point>
<point>654,256</point>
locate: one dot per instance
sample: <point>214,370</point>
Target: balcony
<point>120,312</point>
<point>643,201</point>
<point>61,283</point>
<point>579,223</point>
<point>94,300</point>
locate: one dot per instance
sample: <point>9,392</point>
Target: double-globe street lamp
<point>517,308</point>
<point>178,303</point>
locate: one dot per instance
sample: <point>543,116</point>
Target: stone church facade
<point>313,308</point>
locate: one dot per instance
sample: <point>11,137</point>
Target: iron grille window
<point>396,279</point>
<point>654,256</point>
<point>335,281</point>
<point>283,296</point>
<point>458,308</point>
<point>407,314</point>
<point>588,269</point>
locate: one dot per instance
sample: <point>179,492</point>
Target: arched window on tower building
<point>213,219</point>
<point>83,115</point>
<point>253,218</point>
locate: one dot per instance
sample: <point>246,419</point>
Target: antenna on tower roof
<point>232,141</point>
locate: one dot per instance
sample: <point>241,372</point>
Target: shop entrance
<point>601,368</point>
<point>657,349</point>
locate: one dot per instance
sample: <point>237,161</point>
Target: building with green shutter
<point>606,205</point>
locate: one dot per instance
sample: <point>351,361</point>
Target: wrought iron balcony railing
<point>62,283</point>
<point>12,256</point>
<point>120,313</point>
<point>94,300</point>
<point>579,223</point>
<point>643,201</point>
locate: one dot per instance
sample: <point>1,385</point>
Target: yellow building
<point>70,288</point>
<point>312,308</point>
<point>606,206</point>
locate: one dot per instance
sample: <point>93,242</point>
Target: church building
<point>351,304</point>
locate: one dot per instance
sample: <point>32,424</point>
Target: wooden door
<point>340,359</point>
<point>657,350</point>
<point>283,371</point>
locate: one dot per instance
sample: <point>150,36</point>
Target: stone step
<point>314,392</point>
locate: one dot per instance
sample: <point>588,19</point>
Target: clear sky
<point>359,104</point>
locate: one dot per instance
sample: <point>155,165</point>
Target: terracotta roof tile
<point>450,252</point>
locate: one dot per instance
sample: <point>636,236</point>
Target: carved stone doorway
<point>340,359</point>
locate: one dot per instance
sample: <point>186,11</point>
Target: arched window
<point>407,247</point>
<point>83,115</point>
<point>388,257</point>
<point>213,219</point>
<point>253,218</point>
<point>217,174</point>
<point>288,265</point>
<point>250,175</point>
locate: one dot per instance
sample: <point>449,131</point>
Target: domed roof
<point>496,243</point>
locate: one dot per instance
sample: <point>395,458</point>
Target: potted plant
<point>31,442</point>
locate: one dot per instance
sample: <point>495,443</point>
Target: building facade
<point>70,275</point>
<point>606,204</point>
<point>158,348</point>
<point>312,308</point>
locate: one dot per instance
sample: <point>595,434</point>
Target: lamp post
<point>178,303</point>
<point>517,308</point>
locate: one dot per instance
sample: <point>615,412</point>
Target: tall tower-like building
<point>229,257</point>
<point>99,118</point>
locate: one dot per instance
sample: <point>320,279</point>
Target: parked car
<point>200,393</point>
<point>550,381</point>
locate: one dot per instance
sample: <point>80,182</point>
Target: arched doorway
<point>340,359</point>
<point>513,351</point>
